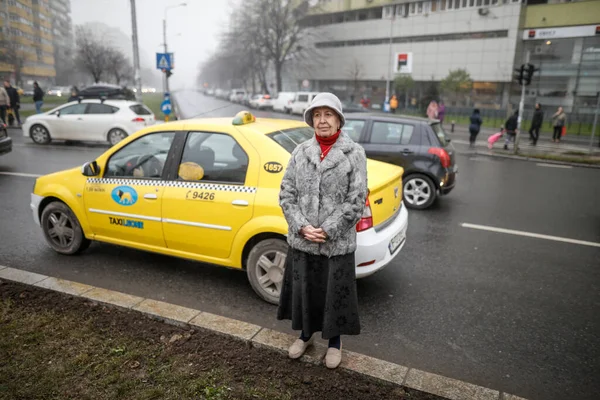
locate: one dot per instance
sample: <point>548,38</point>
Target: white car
<point>89,120</point>
<point>261,101</point>
<point>301,102</point>
<point>283,101</point>
<point>237,95</point>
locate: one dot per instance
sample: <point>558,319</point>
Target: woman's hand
<point>316,235</point>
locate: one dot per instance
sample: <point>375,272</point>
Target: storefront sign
<point>561,33</point>
<point>403,63</point>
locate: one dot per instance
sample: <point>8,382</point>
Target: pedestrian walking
<point>15,101</point>
<point>323,194</point>
<point>536,124</point>
<point>73,97</point>
<point>4,104</point>
<point>441,112</point>
<point>394,104</point>
<point>558,122</point>
<point>511,129</point>
<point>432,110</point>
<point>475,126</point>
<point>38,97</point>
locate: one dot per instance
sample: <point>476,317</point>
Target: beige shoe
<point>333,357</point>
<point>299,347</point>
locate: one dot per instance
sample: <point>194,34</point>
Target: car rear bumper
<point>35,207</point>
<point>5,145</point>
<point>373,245</point>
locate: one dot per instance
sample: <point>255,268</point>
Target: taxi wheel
<point>39,134</point>
<point>116,135</point>
<point>62,229</point>
<point>419,191</point>
<point>266,263</point>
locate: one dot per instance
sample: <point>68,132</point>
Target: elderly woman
<point>323,196</point>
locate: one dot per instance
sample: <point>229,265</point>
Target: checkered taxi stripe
<point>180,184</point>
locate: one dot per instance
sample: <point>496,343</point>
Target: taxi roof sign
<point>243,118</point>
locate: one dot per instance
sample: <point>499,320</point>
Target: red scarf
<point>327,143</point>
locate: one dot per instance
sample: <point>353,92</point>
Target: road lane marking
<point>20,174</point>
<point>554,165</point>
<point>529,234</point>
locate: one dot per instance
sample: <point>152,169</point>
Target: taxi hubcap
<point>270,271</point>
<point>417,191</point>
<point>60,229</point>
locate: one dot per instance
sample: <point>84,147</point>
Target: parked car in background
<point>261,101</point>
<point>237,95</point>
<point>5,140</point>
<point>106,91</point>
<point>89,120</point>
<point>418,145</point>
<point>283,101</point>
<point>301,102</point>
<point>59,91</point>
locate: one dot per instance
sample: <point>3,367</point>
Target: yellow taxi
<point>206,190</point>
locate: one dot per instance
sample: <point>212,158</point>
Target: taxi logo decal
<point>127,223</point>
<point>124,195</point>
<point>273,167</point>
<point>180,184</point>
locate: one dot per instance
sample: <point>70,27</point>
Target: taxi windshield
<point>290,138</point>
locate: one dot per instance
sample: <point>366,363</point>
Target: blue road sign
<point>165,106</point>
<point>163,60</point>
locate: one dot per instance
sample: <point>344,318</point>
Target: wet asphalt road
<point>512,313</point>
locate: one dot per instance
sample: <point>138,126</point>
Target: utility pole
<point>389,63</point>
<point>166,52</point>
<point>595,122</point>
<point>521,108</point>
<point>137,77</point>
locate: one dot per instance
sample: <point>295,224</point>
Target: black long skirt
<point>319,294</point>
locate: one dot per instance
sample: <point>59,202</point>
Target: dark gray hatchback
<point>418,145</point>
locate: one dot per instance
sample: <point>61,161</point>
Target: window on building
<point>434,5</point>
<point>471,3</point>
<point>486,2</point>
<point>450,4</point>
<point>420,7</point>
<point>479,3</point>
<point>413,7</point>
<point>442,5</point>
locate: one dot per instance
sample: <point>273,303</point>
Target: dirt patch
<point>54,346</point>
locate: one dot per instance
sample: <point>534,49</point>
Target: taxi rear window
<point>291,138</point>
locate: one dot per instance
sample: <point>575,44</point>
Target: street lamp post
<point>165,39</point>
<point>137,77</point>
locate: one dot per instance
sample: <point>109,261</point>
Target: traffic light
<point>167,72</point>
<point>529,70</point>
<point>519,74</point>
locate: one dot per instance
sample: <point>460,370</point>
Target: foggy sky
<point>200,23</point>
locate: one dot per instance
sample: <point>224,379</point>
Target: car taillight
<point>442,155</point>
<point>138,119</point>
<point>366,219</point>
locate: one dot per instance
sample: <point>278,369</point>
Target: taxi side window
<point>143,158</point>
<point>214,157</point>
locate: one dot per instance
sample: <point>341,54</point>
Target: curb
<point>539,160</point>
<point>260,337</point>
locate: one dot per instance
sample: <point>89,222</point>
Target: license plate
<point>396,242</point>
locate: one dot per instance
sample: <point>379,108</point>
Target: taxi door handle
<point>240,203</point>
<point>151,196</point>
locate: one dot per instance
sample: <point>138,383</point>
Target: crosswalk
<point>526,145</point>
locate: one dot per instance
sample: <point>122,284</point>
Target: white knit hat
<point>325,99</point>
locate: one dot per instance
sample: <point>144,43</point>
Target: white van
<point>302,101</point>
<point>237,95</point>
<point>283,101</point>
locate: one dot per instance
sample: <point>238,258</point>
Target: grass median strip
<point>54,345</point>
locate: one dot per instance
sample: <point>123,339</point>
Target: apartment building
<point>62,31</point>
<point>27,41</point>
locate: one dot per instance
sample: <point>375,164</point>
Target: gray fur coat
<point>328,194</point>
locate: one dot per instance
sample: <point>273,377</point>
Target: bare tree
<point>118,65</point>
<point>92,55</point>
<point>404,83</point>
<point>355,73</point>
<point>279,31</point>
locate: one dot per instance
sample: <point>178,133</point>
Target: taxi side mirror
<point>90,169</point>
